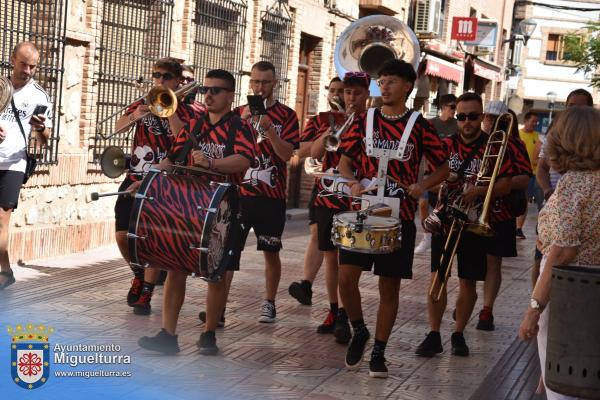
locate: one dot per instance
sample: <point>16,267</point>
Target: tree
<point>583,48</point>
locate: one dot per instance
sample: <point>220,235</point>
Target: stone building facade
<point>109,46</point>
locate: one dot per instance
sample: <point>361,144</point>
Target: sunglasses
<point>473,116</point>
<point>213,90</point>
<point>356,75</point>
<point>167,76</point>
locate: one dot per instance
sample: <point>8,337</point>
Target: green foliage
<point>583,48</point>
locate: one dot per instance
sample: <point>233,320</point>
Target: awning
<point>444,69</point>
<point>486,71</point>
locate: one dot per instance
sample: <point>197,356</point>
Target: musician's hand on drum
<point>415,190</point>
<point>2,134</point>
<point>199,159</point>
<point>356,189</point>
<point>133,188</point>
<point>529,325</point>
<point>245,114</point>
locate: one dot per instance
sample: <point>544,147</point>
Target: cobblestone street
<point>83,297</point>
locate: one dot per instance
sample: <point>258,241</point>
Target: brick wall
<point>55,214</point>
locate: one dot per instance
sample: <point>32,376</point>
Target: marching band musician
<point>151,141</point>
<point>356,93</point>
<point>396,80</point>
<point>263,191</point>
<point>313,257</point>
<point>465,152</point>
<point>224,144</point>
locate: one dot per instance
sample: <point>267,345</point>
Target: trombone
<point>162,102</point>
<point>494,152</point>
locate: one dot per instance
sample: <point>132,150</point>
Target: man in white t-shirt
<point>28,97</point>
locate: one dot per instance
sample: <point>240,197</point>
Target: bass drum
<point>182,223</point>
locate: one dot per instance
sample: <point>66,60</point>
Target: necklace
<point>397,116</point>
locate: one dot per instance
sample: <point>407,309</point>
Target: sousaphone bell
<point>370,41</point>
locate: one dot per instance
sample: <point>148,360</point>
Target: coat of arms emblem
<point>30,355</point>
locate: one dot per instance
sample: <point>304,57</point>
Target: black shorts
<point>10,186</point>
<point>233,249</point>
<point>123,208</point>
<point>324,217</point>
<point>504,244</point>
<point>312,218</point>
<point>471,255</point>
<point>394,265</point>
<point>267,217</point>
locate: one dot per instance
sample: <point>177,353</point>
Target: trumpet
<point>332,142</point>
<point>338,103</point>
<point>256,125</point>
<point>494,152</point>
<point>162,102</point>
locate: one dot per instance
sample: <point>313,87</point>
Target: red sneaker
<point>328,326</point>
<point>134,291</point>
<point>486,320</point>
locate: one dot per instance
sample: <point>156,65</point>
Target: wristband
<point>211,163</point>
<point>40,130</point>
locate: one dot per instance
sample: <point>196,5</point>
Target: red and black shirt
<point>153,138</point>
<point>423,141</point>
<point>331,159</point>
<point>458,151</point>
<point>268,175</point>
<point>227,137</point>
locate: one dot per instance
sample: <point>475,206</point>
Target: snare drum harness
<point>385,155</point>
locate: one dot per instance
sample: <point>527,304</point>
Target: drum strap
<point>384,155</point>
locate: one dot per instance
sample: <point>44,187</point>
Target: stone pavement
<point>83,295</point>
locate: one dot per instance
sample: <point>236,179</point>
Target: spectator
<point>568,224</point>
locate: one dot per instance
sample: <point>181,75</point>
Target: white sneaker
<point>424,245</point>
<point>268,312</point>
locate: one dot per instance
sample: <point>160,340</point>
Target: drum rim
<point>134,218</point>
<point>365,251</point>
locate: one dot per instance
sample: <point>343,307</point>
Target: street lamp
<point>551,97</point>
<point>527,27</point>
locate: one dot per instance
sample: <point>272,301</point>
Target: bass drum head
<point>218,235</point>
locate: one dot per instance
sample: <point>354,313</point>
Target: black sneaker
<point>268,312</point>
<point>220,323</point>
<point>302,292</point>
<point>356,349</point>
<point>486,320</point>
<point>163,342</point>
<point>134,291</point>
<point>377,368</point>
<point>431,346</point>
<point>162,277</point>
<point>142,306</point>
<point>208,344</point>
<point>520,234</point>
<point>342,331</point>
<point>459,346</point>
<point>328,325</point>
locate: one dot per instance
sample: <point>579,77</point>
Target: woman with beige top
<point>568,225</point>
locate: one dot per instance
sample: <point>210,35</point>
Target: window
<point>275,38</point>
<point>134,34</point>
<point>554,47</point>
<point>219,29</point>
<point>41,22</point>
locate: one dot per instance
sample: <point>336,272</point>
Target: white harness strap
<point>384,155</point>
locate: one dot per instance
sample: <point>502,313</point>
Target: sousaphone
<point>370,41</point>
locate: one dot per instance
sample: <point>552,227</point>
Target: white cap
<point>495,107</point>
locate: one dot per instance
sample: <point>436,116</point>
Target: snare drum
<point>182,223</point>
<point>372,235</point>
